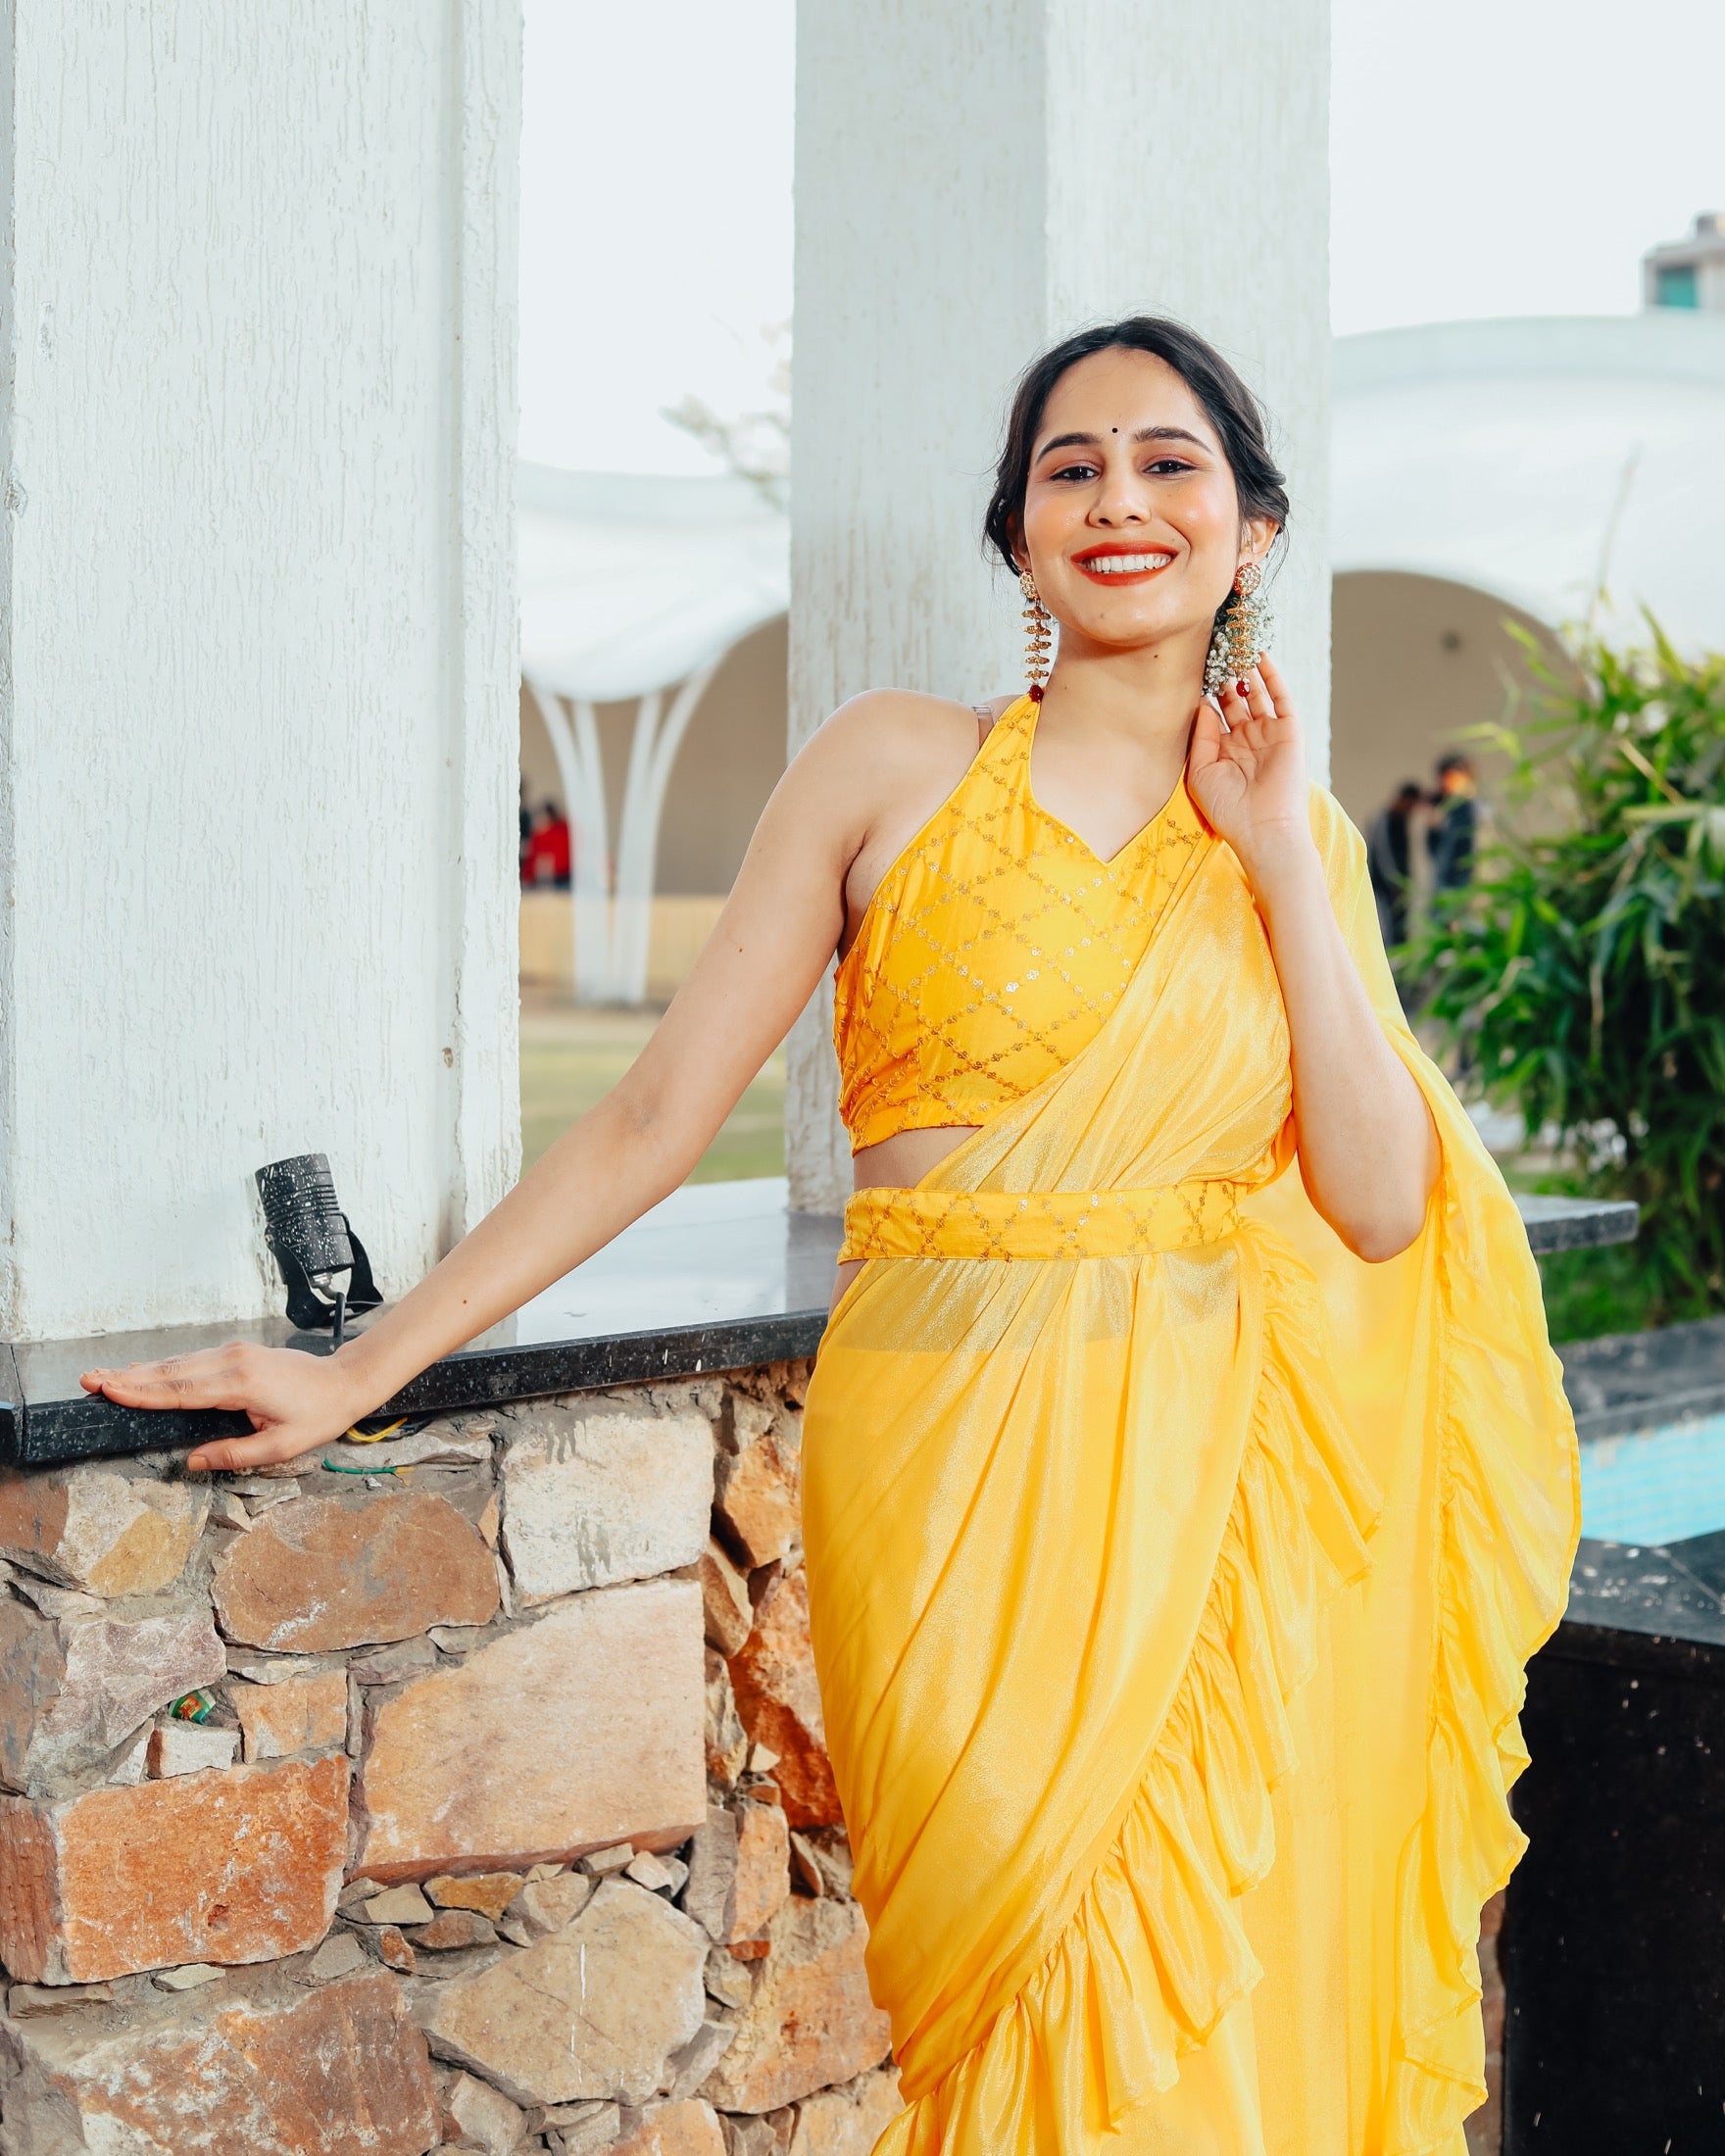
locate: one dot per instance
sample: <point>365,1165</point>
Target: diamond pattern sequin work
<point>995,948</point>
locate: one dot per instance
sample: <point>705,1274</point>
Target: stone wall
<point>466,1789</point>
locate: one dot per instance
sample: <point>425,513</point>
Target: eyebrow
<point>1144,435</point>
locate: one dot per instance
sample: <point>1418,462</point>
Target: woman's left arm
<point>1368,1148</point>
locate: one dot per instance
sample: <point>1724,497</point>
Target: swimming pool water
<point>1656,1486</point>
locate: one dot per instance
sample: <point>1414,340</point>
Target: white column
<point>258,637</point>
<point>971,184</point>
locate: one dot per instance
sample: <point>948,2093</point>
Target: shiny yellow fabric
<point>1170,1606</point>
<point>995,948</point>
<point>1040,1224</point>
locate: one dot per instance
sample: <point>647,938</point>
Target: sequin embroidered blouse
<point>994,949</point>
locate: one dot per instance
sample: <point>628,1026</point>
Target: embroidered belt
<point>1038,1224</point>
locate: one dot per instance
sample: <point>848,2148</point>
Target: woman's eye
<point>1074,471</point>
<point>1166,467</point>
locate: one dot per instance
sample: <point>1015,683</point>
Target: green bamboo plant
<point>1582,975</point>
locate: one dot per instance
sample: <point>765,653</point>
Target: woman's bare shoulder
<point>880,716</point>
<point>887,739</point>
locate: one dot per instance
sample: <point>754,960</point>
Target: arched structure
<point>1545,473</point>
<point>633,592</point>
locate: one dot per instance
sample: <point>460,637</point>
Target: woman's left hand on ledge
<point>295,1401</point>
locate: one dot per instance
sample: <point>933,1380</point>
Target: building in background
<point>1688,272</point>
<point>1543,472</point>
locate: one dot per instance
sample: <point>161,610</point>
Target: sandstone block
<point>778,1701</point>
<point>24,1999</point>
<point>583,2130</point>
<point>546,1905</point>
<point>32,1667</point>
<point>725,1600</point>
<point>395,1905</point>
<point>759,1490</point>
<point>595,2010</point>
<point>848,2121</point>
<point>690,2067</point>
<point>597,1494</point>
<point>764,1870</point>
<point>190,1976</point>
<point>573,1734</point>
<point>746,2137</point>
<point>339,1956</point>
<point>328,2072</point>
<point>300,1714</point>
<point>185,1748</point>
<point>727,1741</point>
<point>729,1980</point>
<point>101,1530</point>
<point>390,1664</point>
<point>73,1693</point>
<point>688,2129</point>
<point>618,1857</point>
<point>321,1573</point>
<point>450,1929</point>
<point>658,1874</point>
<point>393,1950</point>
<point>710,1895</point>
<point>490,1892</point>
<point>739,1872</point>
<point>484,2116</point>
<point>237,1866</point>
<point>810,2022</point>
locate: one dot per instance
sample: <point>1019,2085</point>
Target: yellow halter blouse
<point>994,949</point>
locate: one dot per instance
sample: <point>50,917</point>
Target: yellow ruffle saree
<point>1172,1573</point>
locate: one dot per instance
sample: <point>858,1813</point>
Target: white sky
<point>1489,157</point>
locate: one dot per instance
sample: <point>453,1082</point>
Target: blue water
<point>1656,1486</point>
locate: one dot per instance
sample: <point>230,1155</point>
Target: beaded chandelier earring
<point>1242,632</point>
<point>1038,635</point>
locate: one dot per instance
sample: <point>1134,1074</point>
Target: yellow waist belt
<point>1038,1224</point>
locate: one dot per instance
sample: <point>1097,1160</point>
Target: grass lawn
<point>570,1056</point>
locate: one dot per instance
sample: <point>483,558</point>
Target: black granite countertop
<point>720,1277</point>
<point>1620,1382</point>
<point>1649,1605</point>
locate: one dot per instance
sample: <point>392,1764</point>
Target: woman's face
<point>1131,521</point>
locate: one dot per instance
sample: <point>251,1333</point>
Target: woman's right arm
<point>779,927</point>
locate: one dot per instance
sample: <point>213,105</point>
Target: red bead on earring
<point>1036,692</point>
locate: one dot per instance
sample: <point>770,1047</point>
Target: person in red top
<point>545,860</point>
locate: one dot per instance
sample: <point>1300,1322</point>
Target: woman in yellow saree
<point>1188,1478</point>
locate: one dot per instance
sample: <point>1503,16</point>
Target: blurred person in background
<point>1455,821</point>
<point>1388,858</point>
<point>547,858</point>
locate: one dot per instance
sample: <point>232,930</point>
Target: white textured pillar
<point>258,693</point>
<point>972,183</point>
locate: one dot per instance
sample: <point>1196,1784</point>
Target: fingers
<point>1207,736</point>
<point>1237,705</point>
<point>1259,701</point>
<point>224,1455</point>
<point>1280,694</point>
<point>214,1377</point>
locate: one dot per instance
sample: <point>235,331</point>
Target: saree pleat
<point>1083,1533</point>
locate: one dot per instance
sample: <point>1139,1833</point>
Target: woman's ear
<point>1257,534</point>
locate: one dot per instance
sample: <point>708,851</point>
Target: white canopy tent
<point>633,588</point>
<point>1543,462</point>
